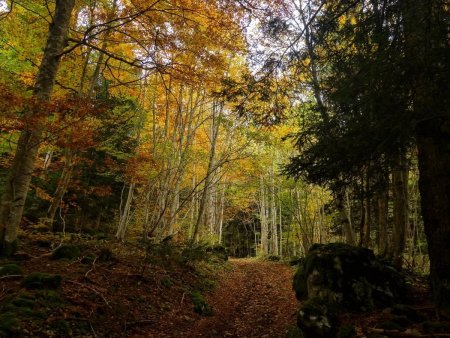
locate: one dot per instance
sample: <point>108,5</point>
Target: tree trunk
<point>427,50</point>
<point>19,177</point>
<point>400,199</point>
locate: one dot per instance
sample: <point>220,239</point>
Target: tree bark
<point>19,177</point>
<point>427,51</point>
<point>400,199</point>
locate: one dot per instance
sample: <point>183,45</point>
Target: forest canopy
<point>264,126</point>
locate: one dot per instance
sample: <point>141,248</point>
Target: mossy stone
<point>67,251</point>
<point>316,318</point>
<point>348,275</point>
<point>200,305</point>
<point>390,325</point>
<point>346,331</point>
<point>9,324</point>
<point>41,280</point>
<point>404,310</point>
<point>50,298</point>
<point>294,332</point>
<point>10,269</point>
<point>106,255</point>
<point>23,302</point>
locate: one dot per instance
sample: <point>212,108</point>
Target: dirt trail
<point>254,299</point>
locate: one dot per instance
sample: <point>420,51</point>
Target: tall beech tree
<point>18,181</point>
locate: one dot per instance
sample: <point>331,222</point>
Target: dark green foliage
<point>316,317</point>
<point>66,251</point>
<point>10,269</point>
<point>41,280</point>
<point>350,276</point>
<point>218,251</point>
<point>62,327</point>
<point>200,305</point>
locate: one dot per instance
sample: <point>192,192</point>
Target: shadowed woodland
<point>143,143</point>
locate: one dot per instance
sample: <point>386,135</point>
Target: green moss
<point>346,331</point>
<point>41,280</point>
<point>167,282</point>
<point>9,324</point>
<point>10,269</point>
<point>66,251</point>
<point>316,317</point>
<point>200,305</point>
<point>50,298</point>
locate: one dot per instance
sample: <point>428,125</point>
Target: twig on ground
<point>92,289</point>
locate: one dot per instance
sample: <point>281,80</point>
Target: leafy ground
<point>111,289</point>
<point>253,299</point>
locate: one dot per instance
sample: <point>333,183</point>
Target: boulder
<point>349,276</point>
<point>337,276</point>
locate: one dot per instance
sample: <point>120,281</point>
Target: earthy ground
<point>253,299</point>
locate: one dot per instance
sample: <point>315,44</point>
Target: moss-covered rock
<point>66,251</point>
<point>294,332</point>
<point>349,276</point>
<point>409,312</point>
<point>49,298</point>
<point>41,280</point>
<point>316,318</point>
<point>346,331</point>
<point>200,305</point>
<point>10,270</point>
<point>106,255</point>
<point>9,324</point>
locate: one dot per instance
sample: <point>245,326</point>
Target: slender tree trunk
<point>19,177</point>
<point>400,199</point>
<point>63,183</point>
<point>347,228</point>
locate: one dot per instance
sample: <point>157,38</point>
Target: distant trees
<point>377,70</point>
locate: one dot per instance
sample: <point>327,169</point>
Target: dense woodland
<point>259,126</point>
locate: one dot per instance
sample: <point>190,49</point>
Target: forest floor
<point>115,289</point>
<point>253,299</point>
<point>139,293</point>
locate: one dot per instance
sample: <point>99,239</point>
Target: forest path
<point>255,299</point>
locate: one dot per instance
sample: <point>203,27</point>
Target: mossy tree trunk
<point>19,177</point>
